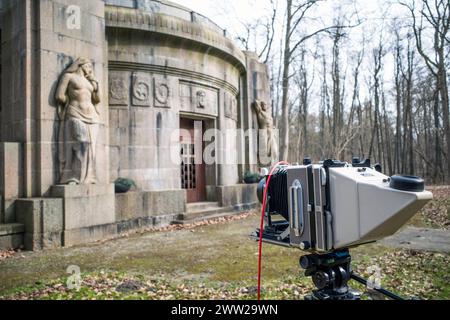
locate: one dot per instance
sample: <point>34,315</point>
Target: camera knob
<point>305,245</point>
<point>305,262</point>
<point>321,279</point>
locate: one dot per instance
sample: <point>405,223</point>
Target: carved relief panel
<point>162,92</point>
<point>230,106</point>
<point>119,89</point>
<point>198,98</point>
<point>141,89</point>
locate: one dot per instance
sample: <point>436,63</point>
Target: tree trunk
<point>284,143</point>
<point>445,116</point>
<point>398,130</point>
<point>437,139</point>
<point>442,83</point>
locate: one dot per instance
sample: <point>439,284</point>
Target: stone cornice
<point>182,73</point>
<point>127,18</point>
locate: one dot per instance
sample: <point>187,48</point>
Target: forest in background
<point>355,85</point>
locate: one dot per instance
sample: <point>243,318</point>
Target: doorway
<point>192,174</point>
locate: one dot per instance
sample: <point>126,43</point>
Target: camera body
<point>335,205</point>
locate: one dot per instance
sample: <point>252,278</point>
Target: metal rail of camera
<point>330,272</point>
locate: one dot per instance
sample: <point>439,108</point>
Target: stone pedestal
<point>42,219</point>
<point>11,236</point>
<point>88,212</point>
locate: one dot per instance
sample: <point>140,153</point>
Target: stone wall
<point>11,179</point>
<point>240,196</point>
<point>141,128</point>
<point>67,219</point>
<point>137,205</point>
<point>170,73</point>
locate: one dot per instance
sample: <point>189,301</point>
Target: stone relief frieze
<point>119,89</point>
<point>141,90</point>
<point>199,98</point>
<point>230,106</point>
<point>162,93</point>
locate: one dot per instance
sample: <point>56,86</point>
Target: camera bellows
<point>278,194</point>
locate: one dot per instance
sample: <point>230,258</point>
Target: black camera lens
<point>260,190</point>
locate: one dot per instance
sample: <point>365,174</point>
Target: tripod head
<point>330,274</point>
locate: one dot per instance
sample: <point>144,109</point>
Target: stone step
<point>212,212</point>
<point>200,206</point>
<point>203,213</point>
<point>207,215</point>
<point>11,228</point>
<point>11,236</point>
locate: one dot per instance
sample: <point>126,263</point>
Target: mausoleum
<point>93,91</point>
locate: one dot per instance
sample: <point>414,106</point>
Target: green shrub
<point>251,177</point>
<point>123,185</point>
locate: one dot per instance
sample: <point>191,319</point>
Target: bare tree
<point>303,84</point>
<point>375,140</point>
<point>404,126</point>
<point>337,36</point>
<point>408,118</point>
<point>435,14</point>
<point>398,97</point>
<point>296,12</point>
<point>269,31</point>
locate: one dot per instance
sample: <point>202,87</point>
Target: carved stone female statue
<point>77,97</point>
<point>267,141</point>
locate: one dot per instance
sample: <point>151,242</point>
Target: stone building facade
<point>160,67</point>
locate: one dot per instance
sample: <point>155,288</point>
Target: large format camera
<point>330,207</point>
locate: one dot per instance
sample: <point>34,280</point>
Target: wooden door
<point>192,175</point>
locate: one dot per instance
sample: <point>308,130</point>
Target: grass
<point>409,273</point>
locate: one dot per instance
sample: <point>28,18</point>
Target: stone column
<point>257,89</point>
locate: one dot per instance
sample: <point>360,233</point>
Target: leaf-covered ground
<point>412,274</point>
<point>436,214</point>
<point>214,260</point>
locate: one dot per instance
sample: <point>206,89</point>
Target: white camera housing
<point>365,208</point>
<point>336,205</point>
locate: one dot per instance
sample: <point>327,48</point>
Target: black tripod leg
<point>380,290</point>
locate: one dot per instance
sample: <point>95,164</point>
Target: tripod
<point>330,274</point>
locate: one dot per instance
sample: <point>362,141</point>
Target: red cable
<point>261,228</point>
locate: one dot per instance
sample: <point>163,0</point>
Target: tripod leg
<point>380,290</point>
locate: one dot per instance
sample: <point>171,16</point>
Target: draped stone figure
<point>267,140</point>
<point>77,98</point>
